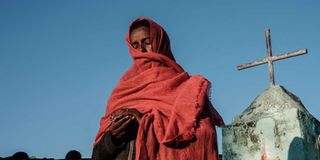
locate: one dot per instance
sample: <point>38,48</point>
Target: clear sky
<point>60,60</point>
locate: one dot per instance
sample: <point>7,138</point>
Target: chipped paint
<point>276,126</point>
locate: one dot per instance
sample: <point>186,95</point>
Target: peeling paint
<point>276,126</point>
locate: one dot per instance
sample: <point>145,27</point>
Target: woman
<point>157,111</point>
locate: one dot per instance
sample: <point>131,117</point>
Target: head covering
<point>175,107</point>
<point>161,54</point>
<point>159,38</point>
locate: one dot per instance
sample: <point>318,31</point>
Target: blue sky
<point>60,60</point>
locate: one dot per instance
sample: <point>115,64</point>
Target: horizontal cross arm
<point>290,54</point>
<point>252,64</point>
<point>274,58</point>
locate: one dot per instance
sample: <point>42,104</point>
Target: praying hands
<point>122,122</point>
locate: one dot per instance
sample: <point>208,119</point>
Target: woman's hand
<point>134,112</point>
<point>120,126</point>
<point>120,123</point>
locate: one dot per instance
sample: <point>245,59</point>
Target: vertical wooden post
<point>270,62</point>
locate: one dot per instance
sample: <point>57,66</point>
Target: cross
<point>270,59</point>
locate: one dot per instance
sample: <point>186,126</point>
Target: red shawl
<point>178,118</point>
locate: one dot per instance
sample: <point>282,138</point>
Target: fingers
<point>115,116</point>
<point>134,113</point>
<point>120,122</point>
<point>123,112</point>
<point>123,125</point>
<point>120,128</point>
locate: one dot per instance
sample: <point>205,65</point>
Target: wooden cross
<point>270,59</point>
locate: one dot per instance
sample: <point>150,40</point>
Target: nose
<point>142,48</point>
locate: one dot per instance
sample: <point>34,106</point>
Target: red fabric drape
<point>178,118</point>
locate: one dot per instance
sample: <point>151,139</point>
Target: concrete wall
<point>276,126</point>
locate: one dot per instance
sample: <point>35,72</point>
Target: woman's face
<point>140,39</point>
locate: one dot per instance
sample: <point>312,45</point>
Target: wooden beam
<point>274,58</point>
<point>270,63</point>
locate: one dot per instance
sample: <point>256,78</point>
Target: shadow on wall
<point>296,149</point>
<point>300,149</point>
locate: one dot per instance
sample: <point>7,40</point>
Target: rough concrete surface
<point>276,126</point>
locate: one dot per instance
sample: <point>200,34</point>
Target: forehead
<point>139,32</point>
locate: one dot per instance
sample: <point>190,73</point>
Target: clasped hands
<point>121,122</point>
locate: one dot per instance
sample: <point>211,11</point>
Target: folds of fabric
<point>178,119</point>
